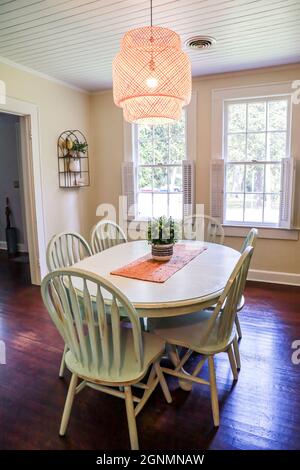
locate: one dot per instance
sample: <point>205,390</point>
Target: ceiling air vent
<point>200,42</point>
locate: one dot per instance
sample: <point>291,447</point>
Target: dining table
<point>196,286</point>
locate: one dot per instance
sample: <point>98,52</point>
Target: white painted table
<point>194,287</point>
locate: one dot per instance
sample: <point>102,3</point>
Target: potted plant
<point>162,237</point>
<point>78,151</point>
<point>80,148</point>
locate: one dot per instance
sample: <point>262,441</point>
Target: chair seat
<point>190,331</point>
<point>153,347</point>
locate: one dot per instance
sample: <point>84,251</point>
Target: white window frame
<point>264,99</point>
<point>261,91</point>
<point>131,147</point>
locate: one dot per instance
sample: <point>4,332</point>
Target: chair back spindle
<point>105,235</point>
<point>66,249</point>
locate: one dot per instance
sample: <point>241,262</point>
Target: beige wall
<point>107,123</point>
<point>60,108</point>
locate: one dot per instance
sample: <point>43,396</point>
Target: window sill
<point>275,233</point>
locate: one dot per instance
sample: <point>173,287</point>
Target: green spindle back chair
<point>105,235</point>
<point>207,333</point>
<point>64,250</point>
<point>102,352</point>
<point>206,226</point>
<point>250,240</point>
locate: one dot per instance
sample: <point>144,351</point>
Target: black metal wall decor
<point>73,160</point>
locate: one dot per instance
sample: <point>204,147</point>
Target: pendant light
<point>151,75</point>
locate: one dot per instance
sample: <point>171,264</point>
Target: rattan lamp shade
<point>151,76</point>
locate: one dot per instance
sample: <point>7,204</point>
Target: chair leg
<point>238,327</point>
<point>232,363</point>
<point>237,354</point>
<point>163,383</point>
<point>62,364</point>
<point>131,419</point>
<point>174,358</point>
<point>68,405</point>
<point>213,391</point>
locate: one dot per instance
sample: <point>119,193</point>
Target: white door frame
<point>32,180</point>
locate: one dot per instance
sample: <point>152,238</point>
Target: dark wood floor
<point>261,411</point>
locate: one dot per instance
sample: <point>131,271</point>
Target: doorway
<point>13,232</point>
<point>31,216</point>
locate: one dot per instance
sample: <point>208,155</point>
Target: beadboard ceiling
<point>76,40</point>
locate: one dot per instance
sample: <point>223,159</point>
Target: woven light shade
<point>151,76</point>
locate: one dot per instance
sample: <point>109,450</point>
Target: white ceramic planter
<point>74,165</point>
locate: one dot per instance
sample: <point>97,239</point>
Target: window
<point>256,139</point>
<point>160,151</point>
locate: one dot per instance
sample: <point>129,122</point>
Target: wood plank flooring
<point>260,411</point>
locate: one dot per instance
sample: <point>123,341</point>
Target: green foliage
<point>162,231</point>
<point>80,146</point>
<point>161,145</point>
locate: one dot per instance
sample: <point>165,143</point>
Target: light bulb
<point>152,82</point>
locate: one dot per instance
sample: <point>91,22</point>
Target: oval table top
<point>196,286</point>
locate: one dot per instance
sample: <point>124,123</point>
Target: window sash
<point>154,166</point>
<point>246,162</point>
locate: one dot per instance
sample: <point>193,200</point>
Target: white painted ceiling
<point>76,40</point>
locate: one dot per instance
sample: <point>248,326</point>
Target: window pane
<point>178,128</point>
<point>175,179</point>
<point>234,207</point>
<point>177,150</point>
<point>273,178</point>
<point>256,146</point>
<point>161,132</point>
<point>160,179</point>
<point>276,145</point>
<point>236,147</point>
<point>257,116</point>
<point>254,179</point>
<point>175,206</point>
<point>277,115</point>
<point>253,207</point>
<point>145,204</point>
<point>145,152</point>
<point>144,132</point>
<point>161,151</point>
<point>235,178</point>
<point>271,212</point>
<point>160,205</point>
<point>145,179</point>
<point>237,117</point>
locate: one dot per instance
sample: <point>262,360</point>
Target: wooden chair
<point>205,225</point>
<point>64,250</point>
<point>103,353</point>
<point>105,235</point>
<point>205,333</point>
<point>250,240</point>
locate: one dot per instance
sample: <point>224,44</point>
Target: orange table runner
<point>148,269</point>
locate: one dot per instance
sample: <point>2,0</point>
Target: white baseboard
<point>21,247</point>
<point>274,277</point>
